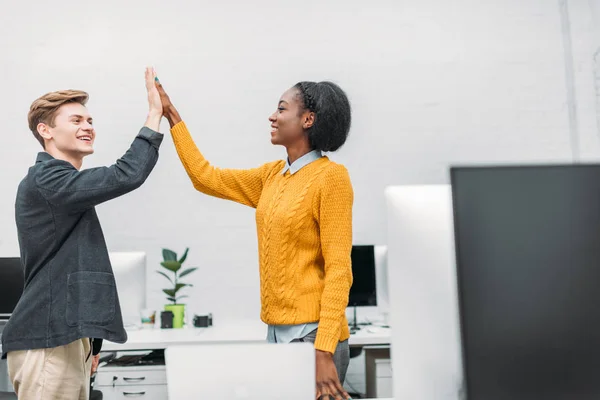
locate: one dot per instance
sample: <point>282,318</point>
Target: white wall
<point>432,82</point>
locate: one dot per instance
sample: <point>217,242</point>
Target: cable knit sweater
<point>304,226</point>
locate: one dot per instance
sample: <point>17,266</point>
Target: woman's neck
<point>297,151</point>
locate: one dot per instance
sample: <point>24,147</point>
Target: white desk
<point>224,332</point>
<point>234,331</point>
<point>371,336</point>
<point>156,338</point>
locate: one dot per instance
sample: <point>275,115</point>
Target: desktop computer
<point>422,293</point>
<point>364,288</point>
<point>12,280</point>
<point>129,269</point>
<point>130,275</point>
<point>528,266</point>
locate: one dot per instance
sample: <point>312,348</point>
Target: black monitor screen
<point>528,266</point>
<point>363,291</point>
<point>11,284</point>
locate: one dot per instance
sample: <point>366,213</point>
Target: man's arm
<point>63,186</point>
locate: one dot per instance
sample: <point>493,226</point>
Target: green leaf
<point>173,299</point>
<point>172,266</point>
<point>169,255</point>
<point>187,271</point>
<point>169,292</point>
<point>182,260</point>
<point>181,286</point>
<point>165,275</point>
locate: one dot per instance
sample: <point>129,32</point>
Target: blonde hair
<point>43,110</point>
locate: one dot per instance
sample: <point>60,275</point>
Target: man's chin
<point>86,152</point>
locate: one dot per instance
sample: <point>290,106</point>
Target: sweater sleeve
<point>335,225</point>
<point>240,185</point>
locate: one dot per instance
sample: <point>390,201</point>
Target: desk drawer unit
<point>378,367</point>
<point>131,376</point>
<point>141,392</point>
<point>143,382</point>
<point>383,373</point>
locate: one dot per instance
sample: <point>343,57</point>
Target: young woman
<point>304,221</point>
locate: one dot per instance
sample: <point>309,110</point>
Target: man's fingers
<point>95,362</point>
<point>151,78</point>
<point>147,77</point>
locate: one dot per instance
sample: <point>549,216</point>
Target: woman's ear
<point>308,119</point>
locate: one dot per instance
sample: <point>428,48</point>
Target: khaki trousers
<point>59,373</point>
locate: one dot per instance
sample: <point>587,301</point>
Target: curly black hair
<point>332,114</point>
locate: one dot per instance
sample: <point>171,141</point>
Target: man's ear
<point>309,120</point>
<point>44,131</point>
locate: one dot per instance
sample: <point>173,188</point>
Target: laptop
<point>237,371</point>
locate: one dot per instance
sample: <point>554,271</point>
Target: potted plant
<point>173,265</point>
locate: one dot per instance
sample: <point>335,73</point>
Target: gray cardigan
<point>70,290</point>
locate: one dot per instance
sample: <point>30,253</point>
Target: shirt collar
<point>301,162</point>
<point>43,156</point>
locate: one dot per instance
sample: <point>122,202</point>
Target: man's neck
<point>77,162</point>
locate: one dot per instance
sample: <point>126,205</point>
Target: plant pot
<point>178,311</point>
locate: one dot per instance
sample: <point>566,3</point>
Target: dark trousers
<point>341,357</point>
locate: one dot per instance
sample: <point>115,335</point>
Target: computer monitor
<point>528,264</point>
<point>129,269</point>
<point>363,291</point>
<point>381,282</point>
<point>422,287</point>
<point>255,371</point>
<point>12,280</point>
<point>130,275</point>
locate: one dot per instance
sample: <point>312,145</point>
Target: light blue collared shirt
<point>301,162</point>
<point>287,333</point>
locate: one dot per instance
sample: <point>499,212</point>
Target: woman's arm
<point>240,185</point>
<point>335,225</point>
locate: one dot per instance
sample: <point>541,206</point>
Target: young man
<point>69,302</point>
